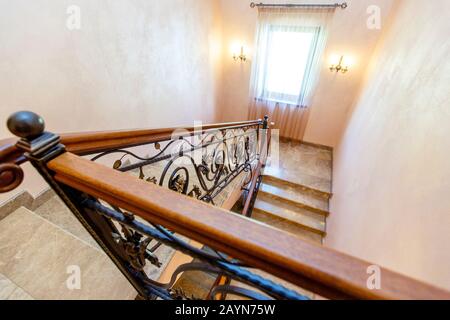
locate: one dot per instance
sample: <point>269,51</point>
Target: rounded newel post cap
<point>26,124</point>
<point>266,122</point>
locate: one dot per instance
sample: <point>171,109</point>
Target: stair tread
<point>313,182</point>
<point>297,216</point>
<point>287,226</point>
<point>296,185</point>
<point>34,246</point>
<point>55,211</point>
<point>301,198</point>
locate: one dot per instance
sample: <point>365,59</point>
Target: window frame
<point>267,95</point>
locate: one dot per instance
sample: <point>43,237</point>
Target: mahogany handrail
<point>91,142</point>
<point>11,157</point>
<point>322,270</point>
<point>88,143</point>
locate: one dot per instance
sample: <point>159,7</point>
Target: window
<point>288,57</point>
<point>288,61</point>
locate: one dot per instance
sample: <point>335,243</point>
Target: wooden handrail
<point>315,268</point>
<point>91,142</point>
<point>96,142</point>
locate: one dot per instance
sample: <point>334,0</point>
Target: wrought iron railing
<point>132,217</point>
<point>201,164</point>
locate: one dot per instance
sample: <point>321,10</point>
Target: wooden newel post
<point>27,126</point>
<point>35,145</point>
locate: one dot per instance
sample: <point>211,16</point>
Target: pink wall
<point>133,64</point>
<point>335,93</point>
<point>391,201</point>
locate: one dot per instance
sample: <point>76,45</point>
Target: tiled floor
<point>10,291</point>
<point>35,256</point>
<point>56,212</point>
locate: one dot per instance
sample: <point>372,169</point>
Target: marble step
<point>292,219</point>
<point>295,197</point>
<point>319,184</point>
<point>195,284</point>
<point>39,258</point>
<point>281,180</point>
<point>55,211</point>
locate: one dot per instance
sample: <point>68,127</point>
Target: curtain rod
<point>336,5</point>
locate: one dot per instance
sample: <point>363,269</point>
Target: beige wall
<point>335,93</point>
<point>136,63</point>
<point>391,201</point>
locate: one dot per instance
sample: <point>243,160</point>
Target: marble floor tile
<point>7,287</point>
<point>36,255</point>
<point>20,294</point>
<point>10,291</point>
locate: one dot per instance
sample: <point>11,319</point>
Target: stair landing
<point>303,164</point>
<point>295,192</point>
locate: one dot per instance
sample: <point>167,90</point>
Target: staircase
<point>46,254</point>
<point>49,239</point>
<point>294,195</point>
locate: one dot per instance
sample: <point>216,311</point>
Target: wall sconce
<point>240,56</point>
<point>340,66</point>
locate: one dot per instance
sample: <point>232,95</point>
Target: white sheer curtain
<point>289,49</point>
